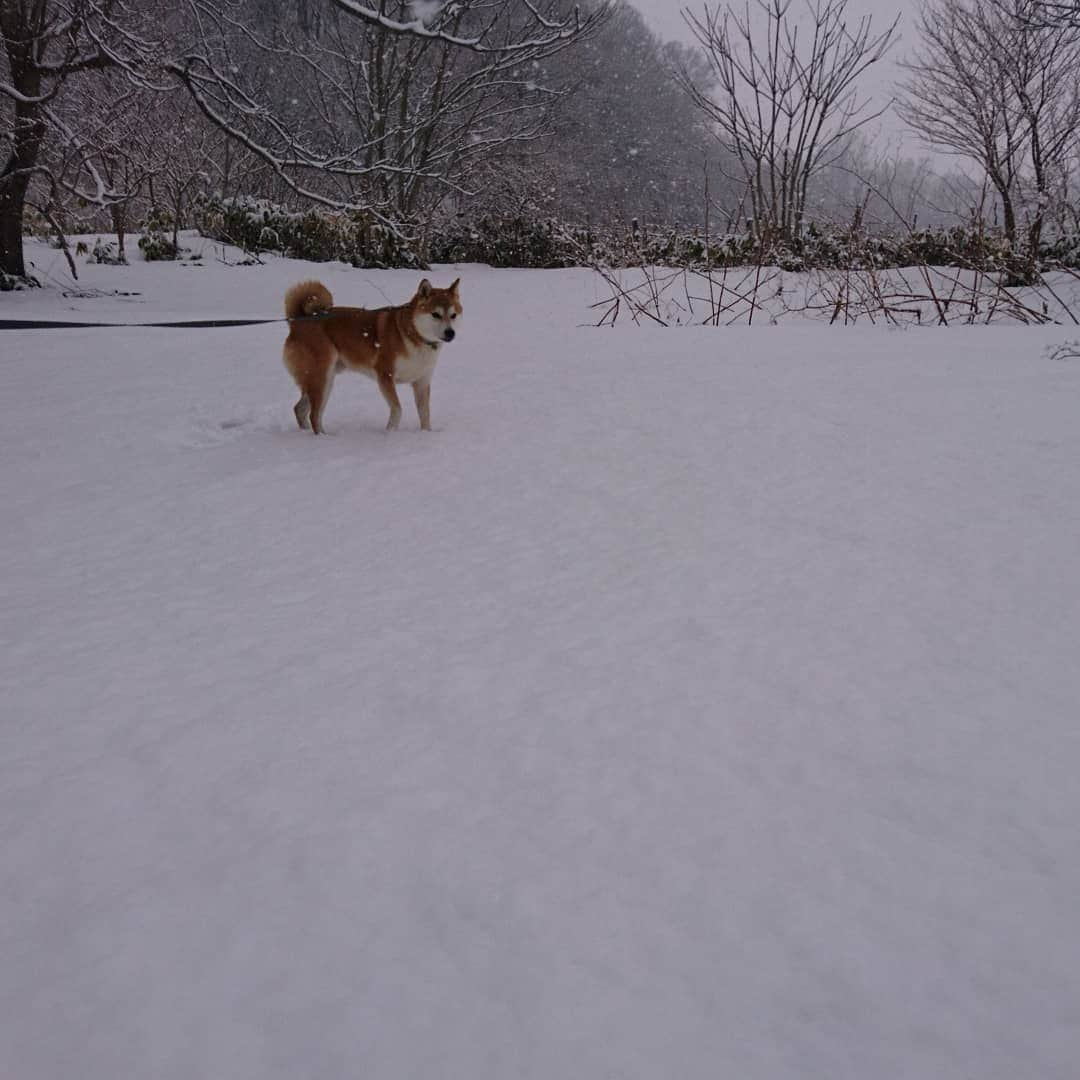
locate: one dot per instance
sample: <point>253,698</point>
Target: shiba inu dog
<point>391,345</point>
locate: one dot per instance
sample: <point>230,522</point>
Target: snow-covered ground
<point>692,703</point>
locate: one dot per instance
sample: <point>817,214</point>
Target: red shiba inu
<point>391,345</point>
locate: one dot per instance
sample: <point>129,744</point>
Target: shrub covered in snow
<point>519,241</point>
<point>156,242</point>
<point>256,225</point>
<point>105,253</point>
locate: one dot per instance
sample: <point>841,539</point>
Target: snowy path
<point>690,703</point>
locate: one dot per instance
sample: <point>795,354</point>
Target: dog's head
<point>437,312</point>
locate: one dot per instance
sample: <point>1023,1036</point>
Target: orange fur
<point>307,298</point>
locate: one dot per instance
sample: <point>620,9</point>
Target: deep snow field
<point>691,704</point>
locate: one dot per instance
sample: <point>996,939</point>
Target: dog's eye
<point>453,314</point>
<point>437,314</point>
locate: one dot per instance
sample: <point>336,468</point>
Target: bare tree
<point>1043,75</point>
<point>390,106</point>
<point>991,83</point>
<point>786,98</point>
<point>956,96</point>
<point>48,43</point>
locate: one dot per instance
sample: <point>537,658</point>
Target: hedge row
<point>526,241</point>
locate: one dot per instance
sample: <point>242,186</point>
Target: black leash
<point>203,324</point>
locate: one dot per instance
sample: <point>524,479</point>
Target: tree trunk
<point>118,212</point>
<point>12,201</point>
<point>28,133</point>
<point>1009,214</point>
<point>1020,270</point>
<point>1035,235</point>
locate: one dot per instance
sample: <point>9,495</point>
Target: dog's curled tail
<point>307,298</point>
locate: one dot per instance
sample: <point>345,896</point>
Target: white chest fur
<point>416,364</point>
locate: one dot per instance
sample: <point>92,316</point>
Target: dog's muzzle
<point>448,335</point>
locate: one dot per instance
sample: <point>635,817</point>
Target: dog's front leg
<point>389,391</point>
<point>422,394</point>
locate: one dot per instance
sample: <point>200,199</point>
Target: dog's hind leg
<point>302,412</point>
<point>303,364</point>
<point>317,391</point>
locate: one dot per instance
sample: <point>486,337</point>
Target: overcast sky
<point>664,17</point>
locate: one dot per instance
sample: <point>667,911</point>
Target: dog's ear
<point>425,289</point>
<point>454,287</point>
